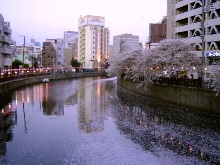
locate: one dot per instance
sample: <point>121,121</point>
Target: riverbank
<point>190,97</point>
<point>18,83</point>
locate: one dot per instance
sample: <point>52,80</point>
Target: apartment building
<point>124,41</point>
<point>93,42</point>
<point>59,46</point>
<point>185,20</point>
<point>49,54</point>
<point>5,42</point>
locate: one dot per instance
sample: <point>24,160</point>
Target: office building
<point>70,46</point>
<point>124,41</point>
<point>70,39</point>
<point>93,42</point>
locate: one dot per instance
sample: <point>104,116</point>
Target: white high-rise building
<point>184,20</point>
<point>5,42</point>
<point>93,42</point>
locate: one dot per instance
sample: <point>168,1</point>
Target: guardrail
<point>15,77</point>
<point>197,83</point>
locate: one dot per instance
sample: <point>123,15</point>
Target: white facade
<point>93,42</point>
<point>5,42</point>
<point>184,21</point>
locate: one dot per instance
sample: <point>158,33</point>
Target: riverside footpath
<point>13,84</point>
<point>191,97</point>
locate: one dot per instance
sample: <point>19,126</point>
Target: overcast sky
<point>42,19</point>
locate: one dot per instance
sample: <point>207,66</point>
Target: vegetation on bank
<point>168,59</point>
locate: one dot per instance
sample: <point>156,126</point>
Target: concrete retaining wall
<point>18,83</point>
<point>195,98</point>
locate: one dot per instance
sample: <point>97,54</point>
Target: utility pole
<point>203,42</point>
<point>23,50</point>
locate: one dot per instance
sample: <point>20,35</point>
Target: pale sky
<point>42,19</point>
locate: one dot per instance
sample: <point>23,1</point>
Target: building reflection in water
<point>35,98</point>
<point>53,105</point>
<point>91,106</point>
<point>8,118</point>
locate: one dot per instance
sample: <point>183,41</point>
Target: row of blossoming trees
<point>166,59</point>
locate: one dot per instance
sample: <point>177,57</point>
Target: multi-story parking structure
<point>185,21</point>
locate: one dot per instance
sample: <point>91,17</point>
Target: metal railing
<point>15,77</point>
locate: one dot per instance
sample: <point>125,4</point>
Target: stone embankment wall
<point>18,83</point>
<point>194,98</point>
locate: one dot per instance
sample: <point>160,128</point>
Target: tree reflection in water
<point>155,124</point>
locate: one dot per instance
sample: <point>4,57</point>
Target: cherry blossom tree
<point>124,63</point>
<point>214,74</point>
<point>165,60</point>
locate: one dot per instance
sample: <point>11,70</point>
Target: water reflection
<point>91,106</point>
<point>8,118</point>
<point>152,123</point>
<point>90,120</point>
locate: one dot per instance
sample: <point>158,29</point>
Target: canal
<point>93,121</point>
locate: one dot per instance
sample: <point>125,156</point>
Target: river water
<point>93,121</point>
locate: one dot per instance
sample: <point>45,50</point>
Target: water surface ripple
<point>93,121</point>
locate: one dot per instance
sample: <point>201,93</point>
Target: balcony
<point>7,30</point>
<point>6,39</point>
<point>5,50</point>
